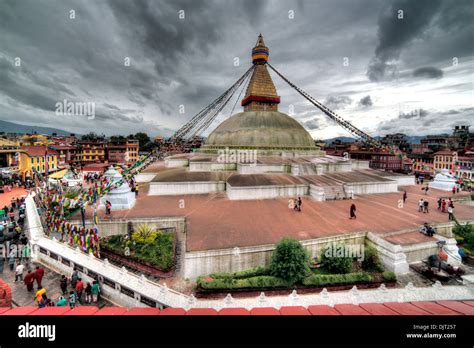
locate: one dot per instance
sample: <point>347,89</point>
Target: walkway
<point>21,297</point>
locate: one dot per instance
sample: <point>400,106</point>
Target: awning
<point>58,175</point>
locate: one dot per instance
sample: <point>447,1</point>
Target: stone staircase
<point>334,192</point>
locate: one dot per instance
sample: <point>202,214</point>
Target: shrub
<point>144,234</point>
<point>336,279</point>
<point>371,260</point>
<point>252,272</point>
<point>258,282</point>
<point>289,261</point>
<point>466,232</point>
<point>389,276</point>
<point>335,261</point>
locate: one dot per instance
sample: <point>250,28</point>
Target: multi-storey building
<point>67,154</point>
<point>9,157</point>
<point>423,164</point>
<point>37,158</point>
<point>385,160</point>
<point>93,151</point>
<point>117,153</point>
<point>131,156</point>
<point>445,160</point>
<point>464,167</point>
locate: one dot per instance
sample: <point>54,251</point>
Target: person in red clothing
<point>29,280</point>
<point>79,289</point>
<point>39,273</point>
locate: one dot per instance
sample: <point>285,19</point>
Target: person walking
<point>39,274</point>
<point>454,190</point>
<point>2,261</point>
<point>443,206</point>
<point>11,260</point>
<point>95,290</point>
<point>39,294</point>
<point>405,196</point>
<point>63,284</point>
<point>72,299</point>
<point>425,207</point>
<point>29,280</point>
<point>74,278</point>
<point>439,203</point>
<point>299,203</point>
<point>26,255</point>
<point>79,288</point>
<point>352,212</point>
<point>19,271</point>
<point>420,205</point>
<point>450,213</point>
<point>88,292</point>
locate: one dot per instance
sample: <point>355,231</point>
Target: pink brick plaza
<point>215,222</point>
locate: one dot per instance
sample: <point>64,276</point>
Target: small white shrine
<point>444,181</point>
<point>120,197</point>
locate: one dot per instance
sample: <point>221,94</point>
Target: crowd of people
<point>74,292</point>
<point>15,249</point>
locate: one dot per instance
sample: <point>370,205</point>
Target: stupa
<point>262,153</point>
<point>120,197</point>
<point>261,126</point>
<point>444,181</point>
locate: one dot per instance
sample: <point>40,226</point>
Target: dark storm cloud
<point>422,122</point>
<point>366,101</point>
<point>428,72</point>
<point>312,124</point>
<point>417,113</point>
<point>394,33</point>
<point>190,61</point>
<point>336,102</point>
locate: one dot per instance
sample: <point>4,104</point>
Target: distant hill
<point>412,139</point>
<point>343,139</point>
<point>10,127</point>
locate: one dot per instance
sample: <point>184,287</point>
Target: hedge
<point>209,283</point>
<point>333,279</point>
<point>252,272</point>
<point>389,276</point>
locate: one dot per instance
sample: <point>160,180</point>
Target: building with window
<point>445,160</point>
<point>93,151</point>
<point>131,156</point>
<point>423,164</point>
<point>37,158</point>
<point>464,167</point>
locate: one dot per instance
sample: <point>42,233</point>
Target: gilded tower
<point>261,94</point>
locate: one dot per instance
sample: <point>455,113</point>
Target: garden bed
<point>301,289</point>
<point>149,252</point>
<point>251,282</point>
<point>135,264</point>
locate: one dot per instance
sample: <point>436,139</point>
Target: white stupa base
<point>444,181</point>
<point>119,201</point>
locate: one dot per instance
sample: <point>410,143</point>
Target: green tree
<point>289,261</point>
<point>117,140</point>
<point>143,139</point>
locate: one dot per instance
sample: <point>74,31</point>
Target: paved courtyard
<point>215,222</point>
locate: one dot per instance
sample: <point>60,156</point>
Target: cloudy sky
<point>387,66</point>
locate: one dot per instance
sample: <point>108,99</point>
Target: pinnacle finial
<point>260,40</point>
<point>260,51</point>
